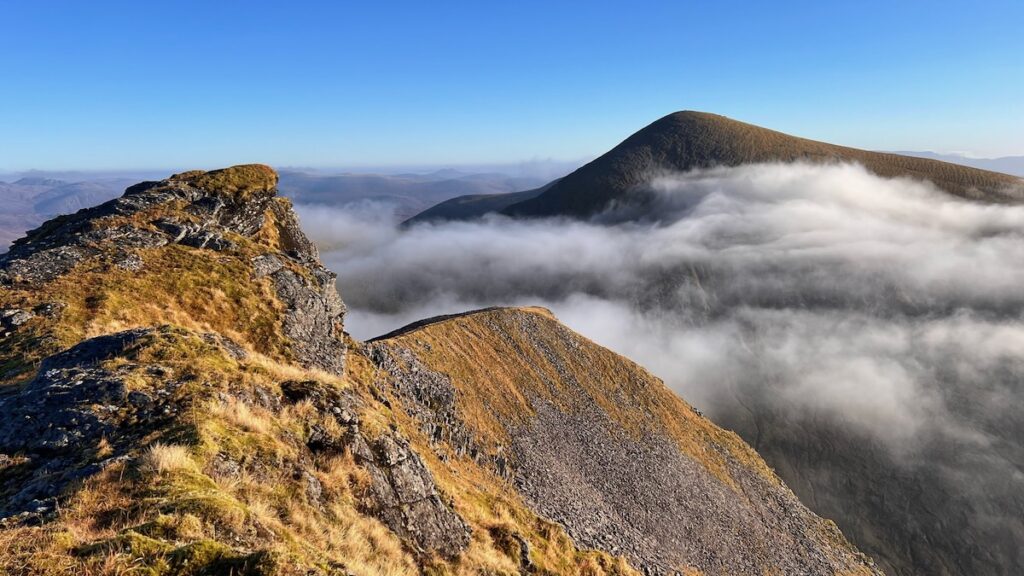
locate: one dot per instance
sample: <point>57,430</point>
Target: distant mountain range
<point>686,140</point>
<point>30,200</point>
<point>1006,164</point>
<point>409,194</point>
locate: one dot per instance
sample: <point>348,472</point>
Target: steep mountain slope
<point>178,397</point>
<point>596,443</point>
<point>686,140</point>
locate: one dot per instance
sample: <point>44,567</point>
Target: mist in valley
<point>822,300</point>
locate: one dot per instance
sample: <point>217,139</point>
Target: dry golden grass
<point>161,458</point>
<point>282,371</point>
<point>241,414</point>
<point>239,181</point>
<point>496,363</point>
<point>194,289</point>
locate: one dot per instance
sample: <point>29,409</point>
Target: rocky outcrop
<point>204,210</point>
<point>195,216</point>
<point>55,424</point>
<point>405,497</point>
<point>313,311</point>
<point>403,493</point>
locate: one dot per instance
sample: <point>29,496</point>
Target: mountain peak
<point>241,180</point>
<point>688,140</point>
<point>229,215</point>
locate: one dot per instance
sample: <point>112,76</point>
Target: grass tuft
<point>161,458</point>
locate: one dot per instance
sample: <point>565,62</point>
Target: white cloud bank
<point>823,289</point>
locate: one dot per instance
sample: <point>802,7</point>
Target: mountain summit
<point>688,140</point>
<point>178,397</point>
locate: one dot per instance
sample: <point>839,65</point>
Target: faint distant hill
<point>408,193</point>
<point>1005,164</point>
<point>687,140</point>
<point>474,205</point>
<point>27,201</point>
<point>31,200</point>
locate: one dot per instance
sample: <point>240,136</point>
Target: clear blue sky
<point>148,84</point>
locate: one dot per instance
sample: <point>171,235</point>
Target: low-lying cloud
<point>840,292</point>
<point>805,299</point>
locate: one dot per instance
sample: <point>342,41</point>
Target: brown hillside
<point>597,443</point>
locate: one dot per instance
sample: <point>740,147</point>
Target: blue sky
<point>131,85</point>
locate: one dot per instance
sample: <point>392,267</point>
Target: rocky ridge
<point>179,397</point>
<point>594,442</point>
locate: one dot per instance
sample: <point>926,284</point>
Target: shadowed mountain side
<point>598,444</point>
<point>472,206</point>
<point>686,140</point>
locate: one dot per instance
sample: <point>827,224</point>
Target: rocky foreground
<point>179,397</point>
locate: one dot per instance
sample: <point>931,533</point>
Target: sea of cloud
<point>881,303</point>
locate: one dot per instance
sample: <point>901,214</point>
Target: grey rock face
<point>293,240</point>
<point>266,264</point>
<point>314,311</point>
<point>403,493</point>
<point>194,235</point>
<point>405,496</point>
<point>430,398</point>
<point>11,318</point>
<point>64,411</point>
<point>313,317</point>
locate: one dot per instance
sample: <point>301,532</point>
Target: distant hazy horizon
<point>549,169</point>
<point>533,168</point>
